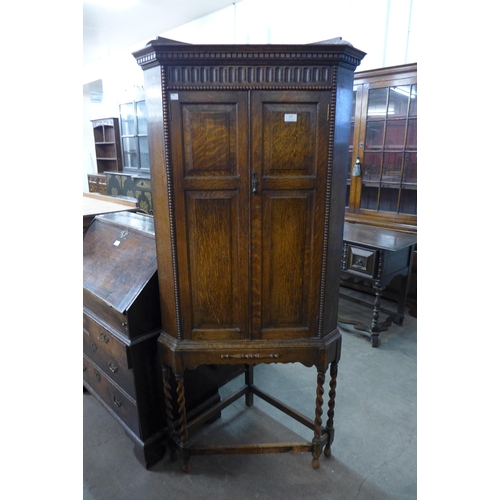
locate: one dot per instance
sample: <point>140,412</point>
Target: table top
<point>378,237</point>
<point>94,204</point>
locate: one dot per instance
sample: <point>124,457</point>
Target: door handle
<point>255,181</point>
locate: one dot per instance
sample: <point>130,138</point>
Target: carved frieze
<point>248,75</point>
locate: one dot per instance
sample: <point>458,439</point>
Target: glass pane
<point>353,113</point>
<point>143,147</point>
<point>391,170</point>
<point>141,118</point>
<point>374,135</point>
<point>127,118</point>
<point>413,100</point>
<point>371,168</point>
<point>411,138</point>
<point>409,201</point>
<point>390,160</point>
<point>130,153</point>
<point>398,101</point>
<point>349,168</point>
<point>347,195</point>
<point>369,198</point>
<point>377,102</point>
<point>410,168</point>
<point>353,108</point>
<point>389,199</point>
<point>395,134</point>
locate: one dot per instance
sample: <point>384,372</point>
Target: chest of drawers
<point>121,324</point>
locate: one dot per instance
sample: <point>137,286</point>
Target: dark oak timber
<point>249,153</point>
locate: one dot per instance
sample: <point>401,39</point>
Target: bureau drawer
<point>111,395</point>
<point>361,261</point>
<point>108,353</point>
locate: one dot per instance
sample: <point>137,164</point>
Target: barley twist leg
<point>181,399</point>
<point>331,407</point>
<point>167,392</point>
<point>316,444</point>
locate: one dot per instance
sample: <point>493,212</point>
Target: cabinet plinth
<point>249,148</point>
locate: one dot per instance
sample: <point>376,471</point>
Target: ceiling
<point>114,25</point>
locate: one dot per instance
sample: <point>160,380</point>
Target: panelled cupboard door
<point>289,159</point>
<point>249,170</point>
<point>209,132</point>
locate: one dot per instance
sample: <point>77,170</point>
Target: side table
<point>377,255</point>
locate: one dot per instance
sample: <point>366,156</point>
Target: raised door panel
<point>215,282</point>
<point>289,160</point>
<point>286,261</point>
<point>210,140</point>
<point>211,189</point>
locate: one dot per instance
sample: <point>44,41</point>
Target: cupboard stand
<point>177,358</point>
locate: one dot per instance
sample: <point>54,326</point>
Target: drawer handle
<point>112,367</point>
<point>84,368</point>
<point>103,337</point>
<point>97,375</point>
<point>116,401</point>
<point>249,356</point>
<point>93,345</point>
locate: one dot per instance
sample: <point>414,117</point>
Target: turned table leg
<point>249,381</point>
<point>316,443</point>
<point>375,330</point>
<point>167,392</point>
<point>331,408</point>
<point>181,399</point>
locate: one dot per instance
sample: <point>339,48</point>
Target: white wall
<point>88,154</point>
<point>381,28</point>
<point>384,29</point>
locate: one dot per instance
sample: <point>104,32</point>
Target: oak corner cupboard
<point>249,149</point>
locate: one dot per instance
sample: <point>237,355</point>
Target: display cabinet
<point>382,178</point>
<point>249,155</point>
<point>134,137</point>
<point>382,186</point>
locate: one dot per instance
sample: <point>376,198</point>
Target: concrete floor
<point>374,455</point>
